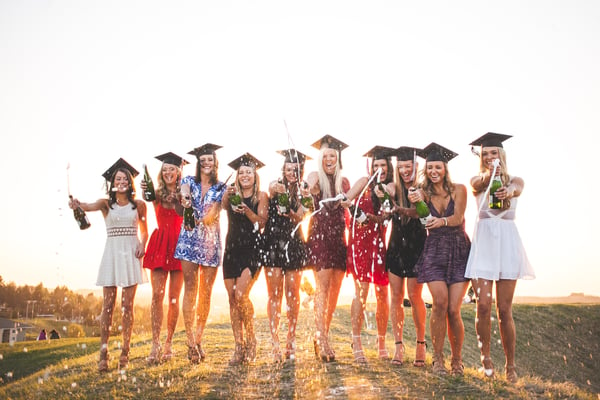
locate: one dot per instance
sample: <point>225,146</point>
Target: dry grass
<point>557,356</point>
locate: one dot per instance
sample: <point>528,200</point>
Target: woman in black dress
<point>242,256</point>
<point>284,250</point>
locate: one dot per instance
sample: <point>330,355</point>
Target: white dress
<point>119,266</point>
<point>497,251</point>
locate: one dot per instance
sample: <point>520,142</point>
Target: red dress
<point>366,247</point>
<point>162,243</point>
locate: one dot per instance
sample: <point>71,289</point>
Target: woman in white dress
<point>497,253</point>
<point>127,234</point>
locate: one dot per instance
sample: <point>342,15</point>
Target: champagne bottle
<point>283,202</point>
<point>386,200</point>
<point>80,217</point>
<point>188,218</point>
<point>235,199</point>
<point>494,202</point>
<point>306,201</point>
<point>356,211</point>
<point>422,210</point>
<point>149,194</point>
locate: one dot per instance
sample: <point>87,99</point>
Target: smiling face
<point>488,155</point>
<point>436,170</point>
<point>290,171</point>
<point>170,173</point>
<point>120,182</point>
<point>330,159</point>
<point>245,176</point>
<point>207,164</point>
<point>383,165</point>
<point>405,171</point>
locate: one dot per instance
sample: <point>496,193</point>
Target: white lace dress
<point>119,266</point>
<point>497,251</point>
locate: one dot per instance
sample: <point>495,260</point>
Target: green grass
<point>557,356</point>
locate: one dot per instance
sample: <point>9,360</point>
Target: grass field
<point>557,356</point>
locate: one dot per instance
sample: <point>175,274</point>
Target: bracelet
<point>445,221</point>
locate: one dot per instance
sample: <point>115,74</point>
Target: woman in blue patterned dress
<point>444,258</point>
<point>199,249</point>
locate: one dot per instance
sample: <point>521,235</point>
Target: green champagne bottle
<point>306,201</point>
<point>422,210</point>
<point>358,213</point>
<point>149,194</point>
<point>494,202</point>
<point>80,217</point>
<point>386,200</point>
<point>283,201</point>
<point>235,199</point>
<point>188,218</point>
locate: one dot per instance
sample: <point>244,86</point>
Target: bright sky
<point>86,82</point>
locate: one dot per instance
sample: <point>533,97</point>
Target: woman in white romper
<point>497,253</point>
<point>121,264</point>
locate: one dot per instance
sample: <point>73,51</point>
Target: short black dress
<point>242,244</point>
<point>280,248</point>
<point>405,245</point>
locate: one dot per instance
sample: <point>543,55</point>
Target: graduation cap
<point>490,139</point>
<point>205,149</point>
<point>294,156</point>
<point>379,153</point>
<point>247,160</point>
<point>435,152</point>
<point>329,142</point>
<point>406,153</point>
<point>120,163</point>
<point>172,158</point>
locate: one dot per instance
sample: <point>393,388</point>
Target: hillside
<point>557,354</point>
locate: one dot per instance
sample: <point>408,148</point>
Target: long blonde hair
<point>504,176</point>
<point>324,181</point>
<point>162,190</point>
<point>427,185</point>
<point>401,200</point>
<point>255,188</point>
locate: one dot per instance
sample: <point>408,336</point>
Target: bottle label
<point>424,220</point>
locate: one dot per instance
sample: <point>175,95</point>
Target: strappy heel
<point>193,354</point>
<point>250,350</point>
<point>168,352</point>
<point>155,355</point>
<point>103,362</point>
<point>511,374</point>
<point>290,350</point>
<point>420,354</point>
<point>238,355</point>
<point>124,359</point>
<point>457,367</point>
<point>438,365</point>
<point>487,366</point>
<point>398,360</point>
<point>358,353</point>
<point>383,353</point>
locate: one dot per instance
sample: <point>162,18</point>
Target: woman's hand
<point>186,200</point>
<point>505,192</point>
<point>73,203</point>
<point>140,251</point>
<point>414,196</point>
<point>434,223</point>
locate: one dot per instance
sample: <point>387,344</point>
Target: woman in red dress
<point>366,249</point>
<point>159,254</point>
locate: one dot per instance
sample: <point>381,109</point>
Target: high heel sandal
<point>250,350</point>
<point>238,355</point>
<point>168,352</point>
<point>383,353</point>
<point>399,360</point>
<point>155,355</point>
<point>358,353</point>
<point>457,367</point>
<point>486,362</point>
<point>290,350</point>
<point>193,354</point>
<point>277,355</point>
<point>124,359</point>
<point>201,351</point>
<point>511,374</point>
<point>420,354</point>
<point>323,351</point>
<point>438,365</point>
<point>103,362</point>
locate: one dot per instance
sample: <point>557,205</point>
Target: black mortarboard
<point>490,139</point>
<point>207,148</point>
<point>330,142</point>
<point>435,152</point>
<point>405,153</point>
<point>172,158</point>
<point>119,164</point>
<point>294,156</point>
<point>247,160</point>
<point>379,153</point>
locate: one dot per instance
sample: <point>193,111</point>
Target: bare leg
<point>357,312</point>
<point>190,292</point>
<point>158,278</point>
<point>322,283</point>
<point>175,284</point>
<point>419,314</point>
<point>397,316</point>
<point>456,328</point>
<point>108,307</point>
<point>274,279</point>
<point>505,290</point>
<point>381,316</point>
<point>292,299</point>
<point>483,322</point>
<point>127,297</point>
<point>206,282</point>
<point>438,323</point>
